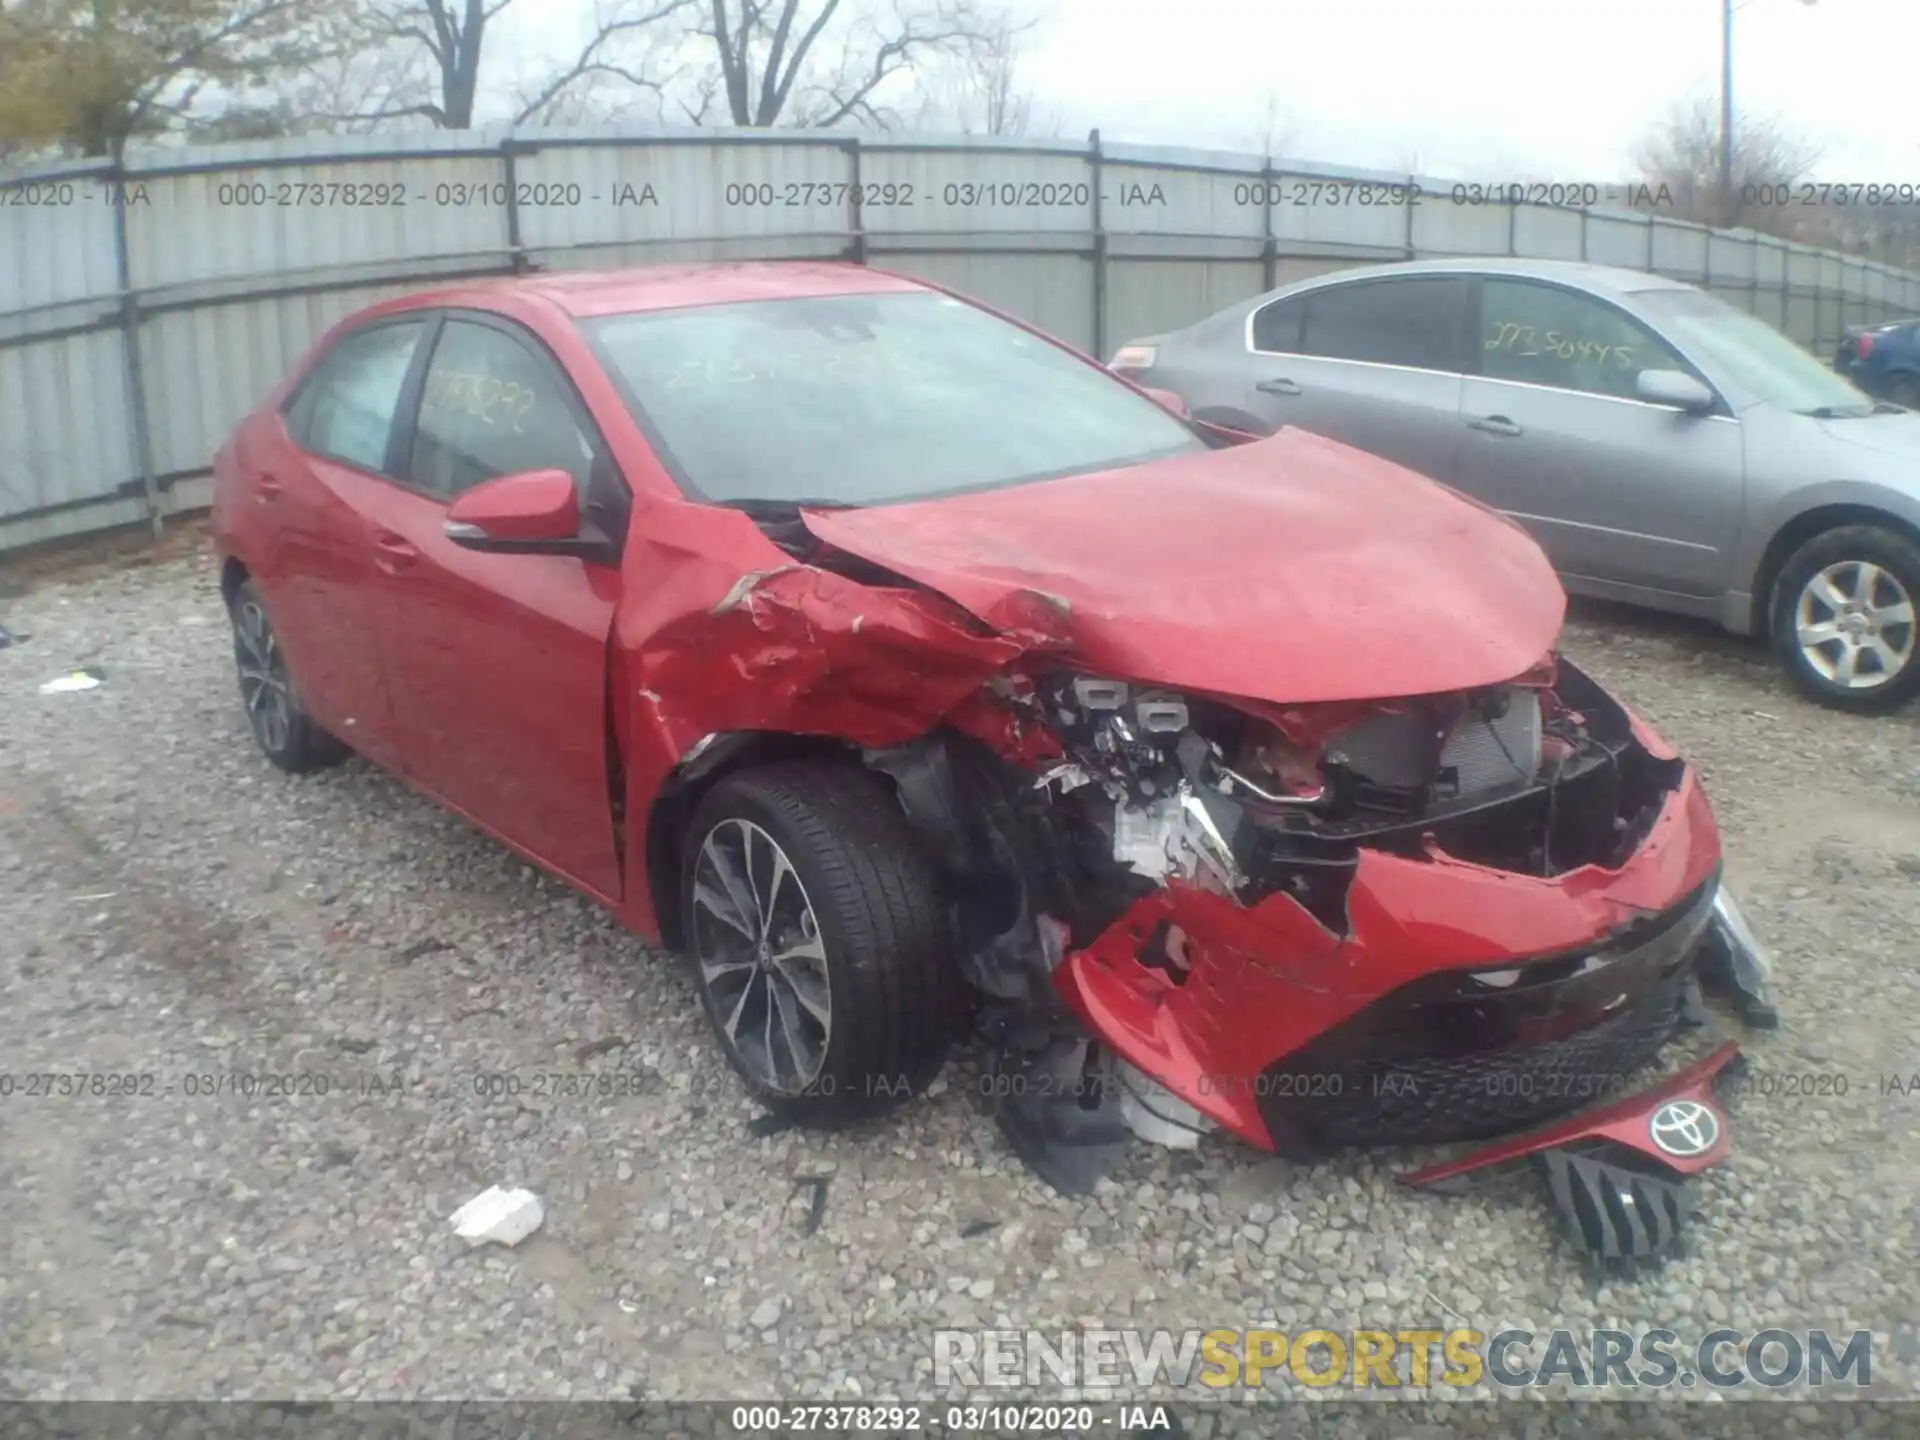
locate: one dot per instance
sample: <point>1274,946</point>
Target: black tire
<point>894,992</point>
<point>1895,554</point>
<point>292,741</point>
<point>1905,391</point>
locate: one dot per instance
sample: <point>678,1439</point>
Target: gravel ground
<point>170,905</point>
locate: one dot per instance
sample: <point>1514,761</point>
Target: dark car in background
<point>1883,360</point>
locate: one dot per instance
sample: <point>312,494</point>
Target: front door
<point>1614,489</point>
<point>498,663</point>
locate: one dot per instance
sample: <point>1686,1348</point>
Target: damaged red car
<point>924,682</point>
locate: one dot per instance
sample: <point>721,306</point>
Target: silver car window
<point>1413,322</point>
<point>1544,335</point>
<point>1276,327</point>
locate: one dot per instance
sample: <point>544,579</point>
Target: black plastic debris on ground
<point>816,1186</point>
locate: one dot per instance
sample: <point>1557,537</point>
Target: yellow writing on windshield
<point>486,398</point>
<point>1530,341</point>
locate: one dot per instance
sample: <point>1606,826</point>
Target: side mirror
<point>1675,389</point>
<point>1167,400</point>
<point>535,512</point>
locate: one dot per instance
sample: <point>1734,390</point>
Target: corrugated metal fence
<point>144,310</point>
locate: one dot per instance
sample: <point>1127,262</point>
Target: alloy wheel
<point>263,677</point>
<point>1855,624</point>
<point>761,956</point>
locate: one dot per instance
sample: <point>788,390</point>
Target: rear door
<point>1375,364</point>
<point>315,484</point>
<point>498,663</point>
<point>1614,489</point>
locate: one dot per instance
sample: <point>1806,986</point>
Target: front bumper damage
<point>1402,995</point>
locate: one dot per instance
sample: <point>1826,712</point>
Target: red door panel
<point>497,665</point>
<point>308,538</point>
<point>339,604</point>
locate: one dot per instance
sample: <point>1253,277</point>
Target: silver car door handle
<point>1277,387</point>
<point>1493,425</point>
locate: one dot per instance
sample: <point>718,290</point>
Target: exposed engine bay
<point>1155,787</point>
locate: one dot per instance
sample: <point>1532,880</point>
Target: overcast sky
<point>1557,89</point>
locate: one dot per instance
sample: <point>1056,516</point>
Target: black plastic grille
<point>1431,1100</point>
<point>1441,1060</point>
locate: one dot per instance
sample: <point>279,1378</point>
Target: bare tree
<point>820,62</point>
<point>1276,131</point>
<point>607,60</point>
<point>1682,154</point>
<point>429,58</point>
<point>976,90</point>
<point>433,50</point>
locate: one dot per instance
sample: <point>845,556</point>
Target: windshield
<point>1751,352</point>
<point>866,399</point>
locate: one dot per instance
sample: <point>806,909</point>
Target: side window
<point>1543,335</point>
<point>1416,322</point>
<point>345,408</point>
<point>490,407</point>
<point>1276,327</point>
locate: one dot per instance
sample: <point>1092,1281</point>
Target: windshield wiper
<point>1846,412</point>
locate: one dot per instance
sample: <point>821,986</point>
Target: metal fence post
<point>1099,246</point>
<point>134,372</point>
<point>857,246</point>
<point>510,174</point>
<point>1269,243</point>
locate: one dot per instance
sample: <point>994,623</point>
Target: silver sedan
<point>1664,447</point>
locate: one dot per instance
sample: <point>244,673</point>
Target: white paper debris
<point>503,1217</point>
<point>72,680</point>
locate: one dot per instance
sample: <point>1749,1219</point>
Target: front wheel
<point>819,939</point>
<point>1843,618</point>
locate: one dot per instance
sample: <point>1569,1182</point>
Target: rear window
<point>868,399</point>
<point>1415,322</point>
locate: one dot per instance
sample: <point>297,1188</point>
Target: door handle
<point>394,553</point>
<point>266,489</point>
<point>1493,425</point>
<point>1277,387</point>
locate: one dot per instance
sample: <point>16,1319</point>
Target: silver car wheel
<point>263,678</point>
<point>1855,624</point>
<point>761,956</point>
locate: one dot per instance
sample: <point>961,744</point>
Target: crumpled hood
<point>1291,570</point>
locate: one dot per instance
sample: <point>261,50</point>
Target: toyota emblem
<point>1684,1128</point>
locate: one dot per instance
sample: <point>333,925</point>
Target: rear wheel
<point>819,940</point>
<point>1905,391</point>
<point>285,733</point>
<point>1843,618</point>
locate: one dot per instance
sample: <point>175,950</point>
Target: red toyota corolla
<point>914,675</point>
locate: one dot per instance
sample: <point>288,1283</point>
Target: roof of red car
<point>664,287</point>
